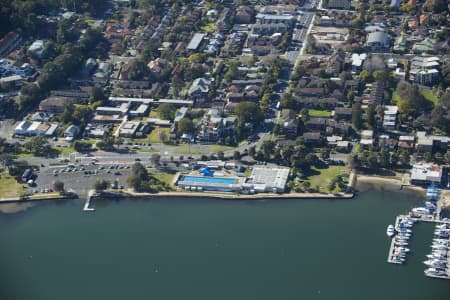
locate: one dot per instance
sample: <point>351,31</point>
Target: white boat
<point>404,249</point>
<point>401,243</point>
<point>390,231</point>
<point>420,210</point>
<point>435,263</point>
<point>439,252</point>
<point>402,234</point>
<point>445,243</point>
<point>435,256</point>
<point>434,272</point>
<point>404,230</point>
<point>439,247</point>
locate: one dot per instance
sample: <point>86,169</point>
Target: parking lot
<point>80,178</point>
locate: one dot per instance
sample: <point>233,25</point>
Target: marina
<point>438,260</point>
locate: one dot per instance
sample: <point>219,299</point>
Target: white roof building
<point>269,179</point>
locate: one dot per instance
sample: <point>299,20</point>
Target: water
<point>213,249</point>
<point>205,179</point>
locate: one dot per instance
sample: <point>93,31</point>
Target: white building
<point>268,179</point>
<point>425,174</point>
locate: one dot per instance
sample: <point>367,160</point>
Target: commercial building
<point>378,41</point>
<point>426,174</point>
<point>268,179</point>
<point>128,129</point>
<point>195,42</point>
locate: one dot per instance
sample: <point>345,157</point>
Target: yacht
<point>436,256</point>
<point>446,243</point>
<point>421,210</point>
<point>406,230</point>
<point>439,247</point>
<point>390,231</point>
<point>403,249</point>
<point>434,272</point>
<point>435,263</point>
<point>401,243</point>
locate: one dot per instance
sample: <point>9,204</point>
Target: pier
<point>88,203</point>
<point>431,219</point>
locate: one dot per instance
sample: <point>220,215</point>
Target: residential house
<point>339,4</point>
<point>357,61</point>
<point>36,49</point>
<point>269,18</point>
<point>9,42</point>
<point>312,137</point>
<point>54,104</point>
<point>243,15</point>
<point>317,123</point>
<point>390,117</point>
<point>71,132</point>
<point>366,138</point>
<point>424,70</point>
<point>199,88</point>
<point>406,142</point>
<point>343,113</point>
<point>289,123</point>
<point>335,63</point>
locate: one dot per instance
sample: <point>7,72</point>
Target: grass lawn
<point>395,97</point>
<point>154,114</point>
<point>210,27</point>
<point>430,96</point>
<point>165,177</point>
<point>154,138</point>
<point>9,187</point>
<point>64,150</point>
<point>325,176</point>
<point>186,150</point>
<point>319,113</point>
<point>45,196</point>
<point>217,148</point>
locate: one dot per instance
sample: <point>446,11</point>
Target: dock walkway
<point>88,203</point>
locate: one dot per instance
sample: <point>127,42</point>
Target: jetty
<point>392,248</point>
<point>88,205</point>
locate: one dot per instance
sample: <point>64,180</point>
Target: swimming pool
<point>204,179</point>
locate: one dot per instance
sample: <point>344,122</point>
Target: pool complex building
<point>208,183</point>
<point>262,179</point>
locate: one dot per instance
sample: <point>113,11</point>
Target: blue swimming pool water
<point>209,179</point>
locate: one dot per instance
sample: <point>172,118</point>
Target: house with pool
<point>263,179</point>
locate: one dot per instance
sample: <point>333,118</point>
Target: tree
<point>37,145</point>
<point>411,102</point>
<point>236,155</point>
<point>356,115</point>
<point>252,151</point>
<point>288,101</point>
<point>371,116</point>
<point>221,155</point>
<point>365,76</point>
<point>185,125</point>
<point>58,186</point>
<point>155,159</point>
<point>249,117</point>
<point>138,70</point>
<point>325,153</point>
<point>166,111</point>
<point>380,76</point>
<point>97,94</point>
<point>82,146</point>
<point>100,185</point>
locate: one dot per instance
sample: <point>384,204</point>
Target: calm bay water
<point>212,249</point>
